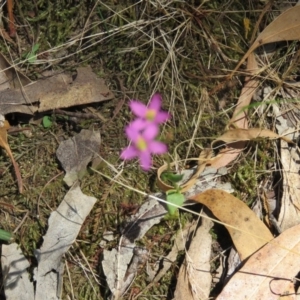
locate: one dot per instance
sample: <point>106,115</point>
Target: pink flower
<point>143,144</point>
<point>152,112</point>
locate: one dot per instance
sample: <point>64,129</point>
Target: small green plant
<point>6,236</point>
<point>47,121</point>
<point>174,196</point>
<point>32,55</point>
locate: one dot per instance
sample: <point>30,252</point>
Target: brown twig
<point>11,19</point>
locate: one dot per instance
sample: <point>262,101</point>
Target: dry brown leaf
<point>4,144</point>
<point>286,27</point>
<point>234,139</point>
<point>239,118</point>
<point>239,134</point>
<point>268,274</point>
<point>228,154</point>
<point>248,233</point>
<point>58,91</point>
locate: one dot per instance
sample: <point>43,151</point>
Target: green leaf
<point>31,56</point>
<point>47,121</point>
<point>6,236</point>
<point>176,198</point>
<point>169,176</point>
<point>35,48</point>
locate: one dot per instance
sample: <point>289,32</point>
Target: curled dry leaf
<point>247,231</point>
<point>268,274</point>
<point>204,158</point>
<point>239,117</point>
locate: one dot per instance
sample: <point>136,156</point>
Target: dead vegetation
<point>186,50</point>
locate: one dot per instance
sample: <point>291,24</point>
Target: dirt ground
<point>184,50</point>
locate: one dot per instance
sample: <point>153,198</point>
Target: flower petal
<point>132,132</point>
<point>151,131</point>
<point>162,117</point>
<point>138,124</point>
<point>129,153</point>
<point>138,108</point>
<point>155,102</point>
<point>157,147</point>
<point>145,160</point>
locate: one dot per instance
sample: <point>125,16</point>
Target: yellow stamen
<point>141,144</point>
<point>150,114</point>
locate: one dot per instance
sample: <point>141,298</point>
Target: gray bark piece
<point>116,263</point>
<point>14,268</point>
<point>75,154</point>
<point>208,180</point>
<point>64,226</point>
<point>194,279</point>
